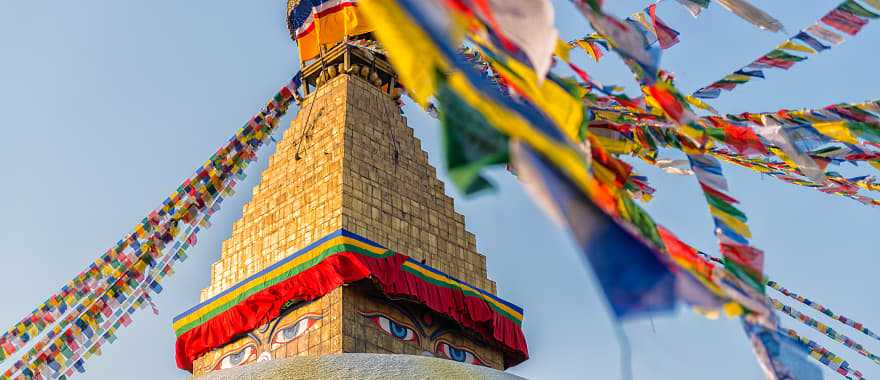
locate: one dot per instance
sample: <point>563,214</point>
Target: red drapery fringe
<point>342,268</point>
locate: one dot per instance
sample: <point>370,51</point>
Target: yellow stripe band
<point>313,254</point>
<point>340,241</point>
<point>438,278</point>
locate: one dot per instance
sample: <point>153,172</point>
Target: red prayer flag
<point>844,21</point>
<point>722,85</point>
<point>775,62</point>
<point>743,139</point>
<point>667,36</point>
<point>746,256</point>
<point>667,101</point>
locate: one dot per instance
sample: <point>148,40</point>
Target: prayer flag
<point>633,278</point>
<point>825,34</point>
<point>856,9</point>
<point>794,46</point>
<point>469,141</point>
<point>665,35</point>
<point>526,24</point>
<point>844,21</point>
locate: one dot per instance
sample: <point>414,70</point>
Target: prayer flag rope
<point>105,333</point>
<point>823,355</point>
<point>413,35</point>
<point>848,17</point>
<point>824,329</point>
<point>824,310</point>
<point>740,258</point>
<point>106,285</point>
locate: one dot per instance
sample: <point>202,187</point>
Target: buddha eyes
<point>397,330</point>
<point>458,354</point>
<point>291,332</point>
<point>235,359</point>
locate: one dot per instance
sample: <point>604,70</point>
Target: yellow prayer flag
<point>737,78</point>
<point>563,50</point>
<point>836,130</point>
<point>873,3</point>
<point>587,48</point>
<point>779,153</point>
<point>805,115</point>
<point>734,224</point>
<point>700,104</point>
<point>791,45</point>
<point>615,146</point>
<point>565,111</point>
<point>409,49</point>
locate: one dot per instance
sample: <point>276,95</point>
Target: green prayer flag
<point>856,9</point>
<point>642,221</point>
<point>470,143</point>
<point>865,131</point>
<point>779,54</point>
<point>65,350</point>
<point>726,207</point>
<point>873,3</point>
<point>749,277</point>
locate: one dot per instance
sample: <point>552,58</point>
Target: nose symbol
<point>265,356</point>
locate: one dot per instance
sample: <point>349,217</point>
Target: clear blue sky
<point>107,105</point>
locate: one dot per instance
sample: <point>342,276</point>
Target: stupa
<point>349,245</point>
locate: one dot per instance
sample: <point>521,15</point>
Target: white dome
<point>361,367</point>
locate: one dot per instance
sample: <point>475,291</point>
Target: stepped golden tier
<point>349,243</point>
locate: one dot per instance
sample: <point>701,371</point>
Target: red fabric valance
<point>342,268</point>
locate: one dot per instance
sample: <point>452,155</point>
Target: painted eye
<point>235,359</point>
<point>291,332</point>
<point>458,354</point>
<point>397,330</point>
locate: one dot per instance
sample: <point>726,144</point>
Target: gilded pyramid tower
<point>349,243</point>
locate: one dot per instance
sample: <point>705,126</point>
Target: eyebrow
<point>316,316</point>
<point>412,318</point>
<point>440,332</point>
<point>255,337</point>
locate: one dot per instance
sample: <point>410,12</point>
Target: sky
<point>108,105</point>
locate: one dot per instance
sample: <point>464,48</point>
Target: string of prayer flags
<point>628,39</point>
<point>134,303</point>
<point>824,310</point>
<point>824,329</point>
<point>738,133</point>
<point>740,258</point>
<point>152,234</point>
<point>835,185</point>
<point>730,223</point>
<point>626,300</point>
<point>822,355</point>
<point>779,356</point>
<point>657,30</point>
<point>849,17</point>
<point>500,103</point>
<point>541,139</point>
<point>101,298</point>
